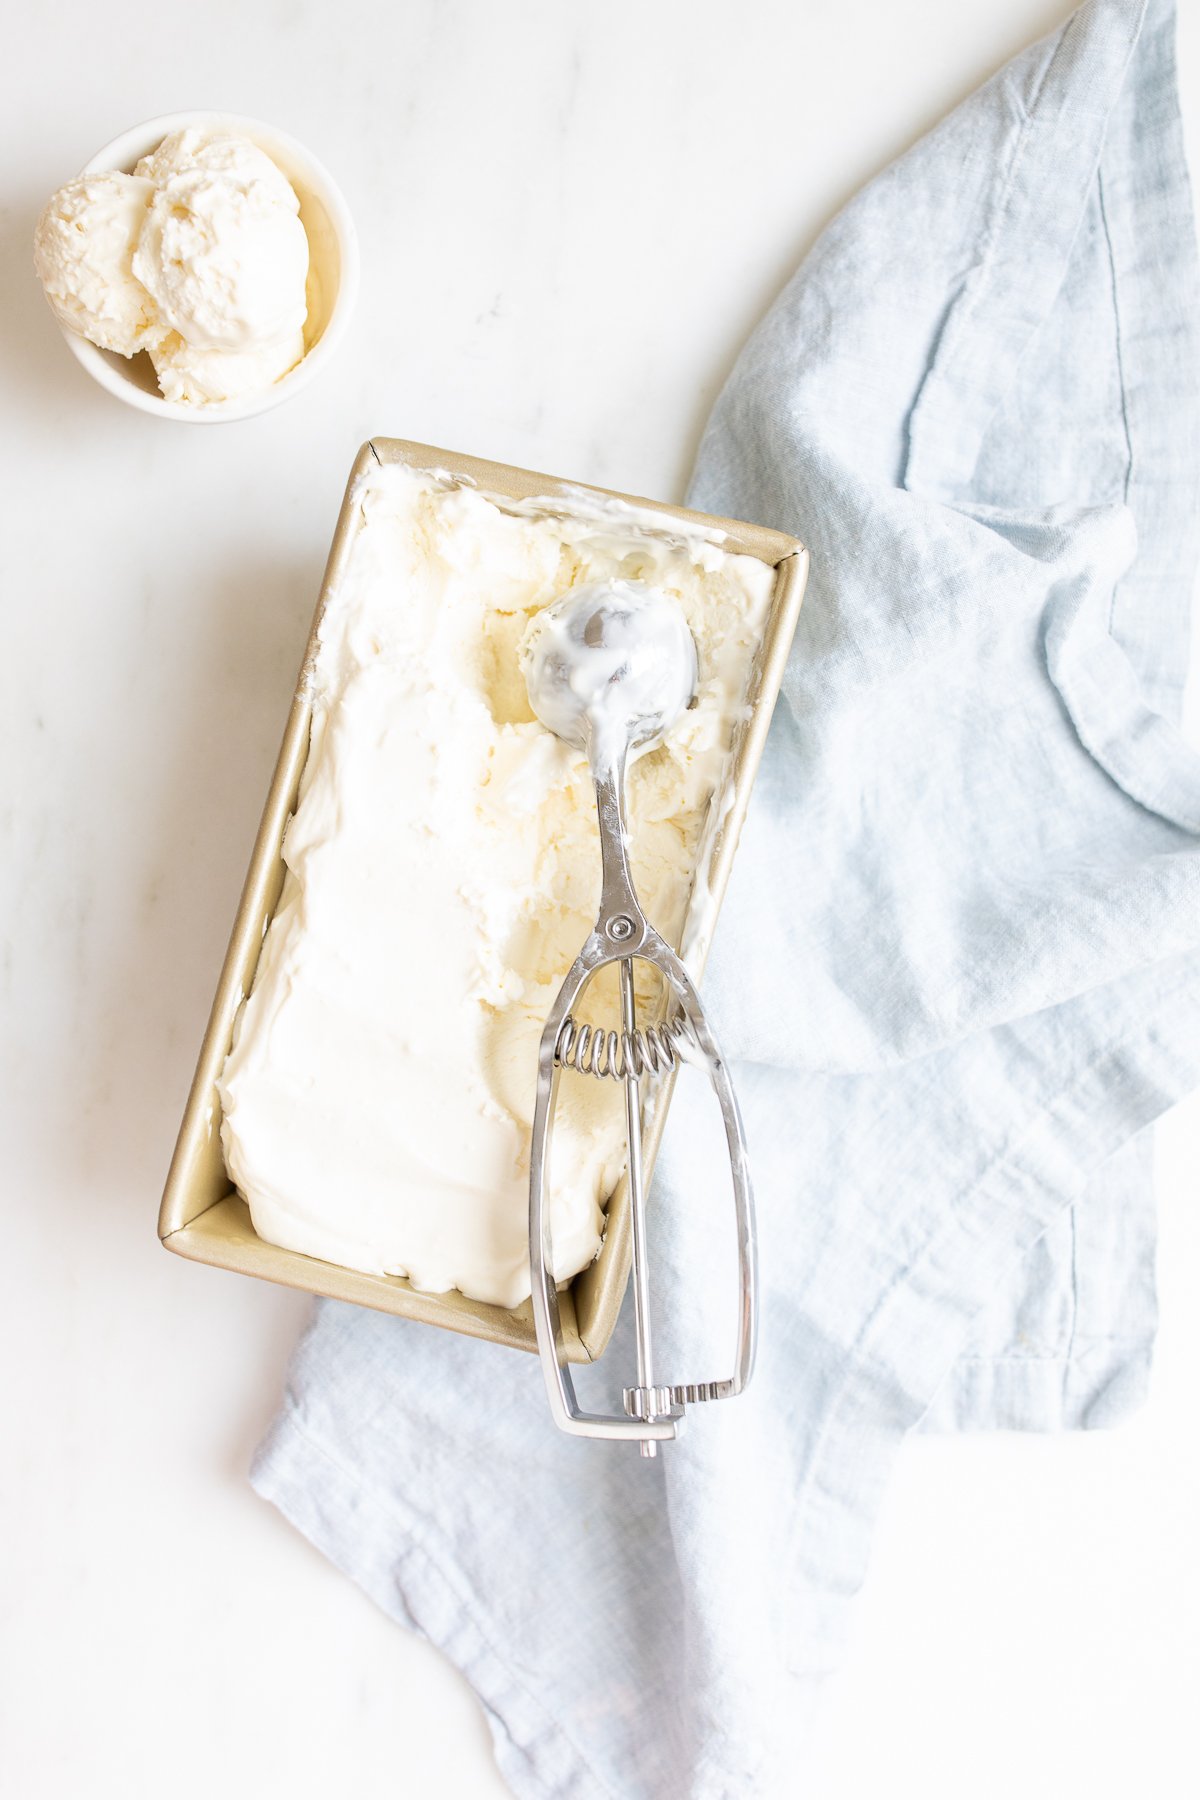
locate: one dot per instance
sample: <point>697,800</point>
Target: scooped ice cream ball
<point>83,254</point>
<point>222,251</point>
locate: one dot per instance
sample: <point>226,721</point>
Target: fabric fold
<point>1044,139</point>
<point>1144,753</point>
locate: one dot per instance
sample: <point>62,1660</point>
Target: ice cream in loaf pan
<point>442,872</point>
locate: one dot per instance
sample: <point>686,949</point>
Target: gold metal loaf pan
<point>202,1216</point>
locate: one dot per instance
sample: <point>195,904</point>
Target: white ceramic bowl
<point>332,275</point>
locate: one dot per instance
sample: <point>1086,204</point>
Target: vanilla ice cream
<point>83,254</point>
<point>443,871</point>
<point>199,257</point>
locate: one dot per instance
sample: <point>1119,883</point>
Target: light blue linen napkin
<point>958,970</point>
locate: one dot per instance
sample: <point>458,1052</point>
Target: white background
<point>570,216</point>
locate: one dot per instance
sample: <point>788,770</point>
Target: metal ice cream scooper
<point>609,667</point>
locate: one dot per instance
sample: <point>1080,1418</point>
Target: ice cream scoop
<point>83,254</point>
<point>221,250</point>
<point>608,667</point>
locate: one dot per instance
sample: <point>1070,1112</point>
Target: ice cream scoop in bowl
<point>609,667</point>
<point>227,212</point>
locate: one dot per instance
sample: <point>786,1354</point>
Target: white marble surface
<point>570,215</point>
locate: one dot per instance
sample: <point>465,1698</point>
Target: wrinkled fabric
<point>957,974</point>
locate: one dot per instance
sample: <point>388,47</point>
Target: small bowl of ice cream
<point>202,266</point>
